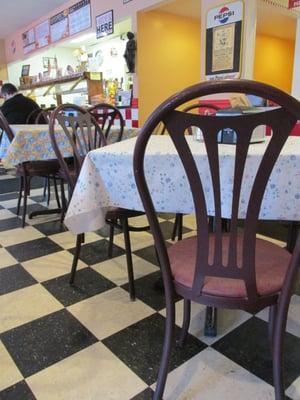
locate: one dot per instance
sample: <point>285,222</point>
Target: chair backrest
<point>109,117</point>
<point>281,120</point>
<point>202,108</point>
<point>39,116</point>
<point>4,126</point>
<point>82,134</point>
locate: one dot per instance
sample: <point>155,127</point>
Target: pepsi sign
<point>224,14</point>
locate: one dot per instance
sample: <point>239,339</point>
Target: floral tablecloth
<point>107,179</point>
<point>32,143</point>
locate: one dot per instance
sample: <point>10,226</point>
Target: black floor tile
<point>45,341</point>
<point>149,289</point>
<point>10,223</point>
<point>149,254</point>
<point>95,252</point>
<point>248,346</point>
<point>29,209</point>
<point>140,347</point>
<point>33,249</point>
<point>13,278</point>
<point>9,196</point>
<point>87,283</point>
<point>167,229</point>
<point>166,216</point>
<point>147,394</point>
<point>19,391</point>
<point>51,228</point>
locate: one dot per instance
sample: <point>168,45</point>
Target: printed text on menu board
<point>59,26</point>
<point>42,34</point>
<point>80,17</point>
<point>28,41</point>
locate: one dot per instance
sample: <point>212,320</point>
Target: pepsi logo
<point>224,14</point>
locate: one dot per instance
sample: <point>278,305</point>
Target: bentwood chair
<point>84,134</point>
<point>228,270</point>
<point>203,109</point>
<point>109,117</point>
<point>27,170</point>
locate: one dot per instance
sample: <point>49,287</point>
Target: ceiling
<point>274,20</point>
<point>16,14</point>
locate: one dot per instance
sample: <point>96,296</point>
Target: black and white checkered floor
<point>91,342</point>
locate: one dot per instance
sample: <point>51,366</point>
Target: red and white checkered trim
<point>131,115</point>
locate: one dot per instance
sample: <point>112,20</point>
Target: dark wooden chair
<point>109,117</point>
<point>228,270</point>
<point>203,109</point>
<point>27,170</point>
<point>84,134</point>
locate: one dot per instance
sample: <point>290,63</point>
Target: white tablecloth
<point>107,179</point>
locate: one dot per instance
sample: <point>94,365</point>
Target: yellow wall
<point>274,60</point>
<point>168,57</point>
<point>3,69</point>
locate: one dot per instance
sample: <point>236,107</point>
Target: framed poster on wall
<point>42,34</point>
<point>80,17</point>
<point>28,40</point>
<point>59,26</point>
<point>105,24</point>
<point>224,27</point>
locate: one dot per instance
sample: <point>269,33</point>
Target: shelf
<point>52,82</point>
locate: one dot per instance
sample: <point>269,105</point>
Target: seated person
<point>16,107</point>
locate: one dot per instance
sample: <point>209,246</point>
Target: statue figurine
<point>130,50</point>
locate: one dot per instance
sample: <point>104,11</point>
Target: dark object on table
<point>130,51</point>
<point>229,270</point>
<point>16,107</point>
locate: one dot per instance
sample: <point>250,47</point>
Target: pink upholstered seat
<point>271,266</point>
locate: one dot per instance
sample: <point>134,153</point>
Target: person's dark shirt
<point>17,108</point>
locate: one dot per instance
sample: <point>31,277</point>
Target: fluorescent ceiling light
<point>84,37</point>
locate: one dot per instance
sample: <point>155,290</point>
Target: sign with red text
<point>294,3</point>
<point>223,41</point>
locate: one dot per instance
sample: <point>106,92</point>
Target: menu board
<point>28,41</point>
<point>42,34</point>
<point>59,26</point>
<point>80,17</point>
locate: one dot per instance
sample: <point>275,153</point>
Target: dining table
<point>107,179</point>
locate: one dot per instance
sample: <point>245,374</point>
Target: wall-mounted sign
<point>294,3</point>
<point>80,17</point>
<point>28,41</point>
<point>105,24</point>
<point>42,34</point>
<point>223,41</point>
<point>59,26</point>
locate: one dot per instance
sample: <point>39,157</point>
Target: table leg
<point>210,328</point>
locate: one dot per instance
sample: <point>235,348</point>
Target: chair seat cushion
<point>271,266</point>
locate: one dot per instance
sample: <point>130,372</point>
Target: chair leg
<point>124,222</point>
<point>63,201</point>
<point>169,329</point>
<point>49,190</point>
<point>20,194</point>
<point>45,188</point>
<point>175,227</point>
<point>186,322</point>
<point>180,223</point>
<point>26,192</point>
<point>111,240</point>
<point>272,319</point>
<point>79,241</point>
<point>56,193</point>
